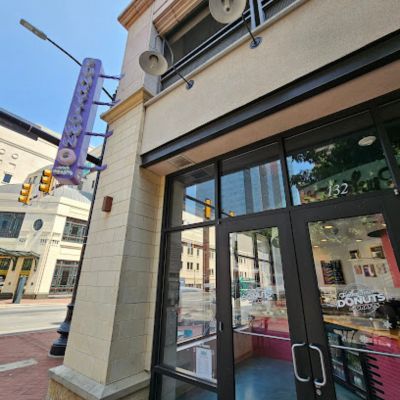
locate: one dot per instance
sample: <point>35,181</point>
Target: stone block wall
<point>111,332</point>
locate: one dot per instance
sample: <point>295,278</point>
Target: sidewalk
<point>18,382</point>
<point>39,302</point>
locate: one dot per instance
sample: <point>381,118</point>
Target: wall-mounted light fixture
<point>107,204</point>
<point>153,62</point>
<point>227,11</point>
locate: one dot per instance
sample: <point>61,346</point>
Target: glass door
<point>348,257</point>
<point>260,315</point>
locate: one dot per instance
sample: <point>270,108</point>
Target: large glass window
<point>64,276</point>
<point>193,197</point>
<point>10,224</point>
<point>359,284</point>
<point>323,166</point>
<point>74,230</point>
<point>190,305</point>
<point>192,34</point>
<point>5,264</point>
<point>252,182</point>
<point>27,264</point>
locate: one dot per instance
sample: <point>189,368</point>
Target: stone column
<point>110,342</point>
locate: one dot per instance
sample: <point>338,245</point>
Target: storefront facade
<point>305,227</point>
<point>253,246</point>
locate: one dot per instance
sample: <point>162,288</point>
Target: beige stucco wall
<point>312,35</point>
<point>141,37</point>
<point>20,155</point>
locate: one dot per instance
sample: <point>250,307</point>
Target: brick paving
<point>27,383</point>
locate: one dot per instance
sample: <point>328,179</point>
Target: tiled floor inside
<point>263,379</point>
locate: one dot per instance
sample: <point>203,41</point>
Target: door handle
<point>322,360</point>
<point>296,373</point>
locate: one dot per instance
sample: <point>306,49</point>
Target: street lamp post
<point>59,346</point>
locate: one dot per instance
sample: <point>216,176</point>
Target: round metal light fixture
<point>226,11</point>
<point>153,62</point>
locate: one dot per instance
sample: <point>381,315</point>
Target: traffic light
<point>207,209</point>
<point>46,181</point>
<point>25,193</point>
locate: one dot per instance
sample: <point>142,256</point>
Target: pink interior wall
<point>387,370</point>
<point>391,259</point>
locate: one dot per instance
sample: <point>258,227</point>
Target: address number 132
<point>337,190</point>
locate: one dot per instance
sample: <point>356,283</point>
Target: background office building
<point>252,250</point>
<point>21,152</point>
<point>42,240</point>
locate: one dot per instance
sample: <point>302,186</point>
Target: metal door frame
<point>385,203</point>
<point>226,374</point>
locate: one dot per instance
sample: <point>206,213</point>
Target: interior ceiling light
<point>366,141</point>
<point>328,226</point>
<point>316,246</point>
<point>324,240</point>
<point>358,240</point>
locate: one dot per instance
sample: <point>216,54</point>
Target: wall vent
<point>181,162</point>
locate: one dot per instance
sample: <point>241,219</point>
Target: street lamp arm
<point>76,61</point>
<point>64,51</point>
<point>43,36</point>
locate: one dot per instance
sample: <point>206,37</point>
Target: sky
<point>36,79</point>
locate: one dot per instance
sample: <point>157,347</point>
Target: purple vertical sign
<point>72,151</point>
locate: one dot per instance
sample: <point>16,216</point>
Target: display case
<point>350,368</point>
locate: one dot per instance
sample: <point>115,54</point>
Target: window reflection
<point>193,197</point>
<point>337,167</point>
<point>394,136</point>
<point>173,389</point>
<point>190,325</point>
<point>252,182</point>
<point>390,114</point>
<point>359,282</point>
